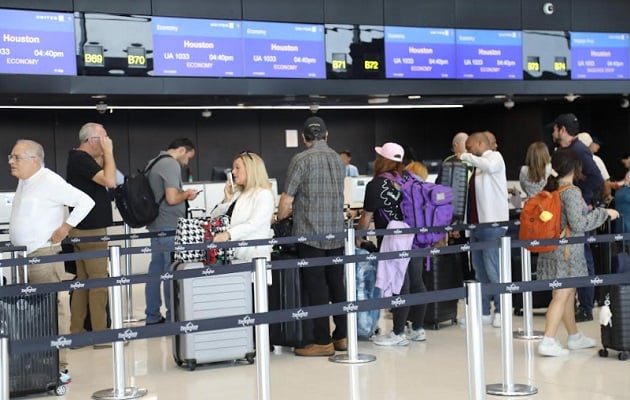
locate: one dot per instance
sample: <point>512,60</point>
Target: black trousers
<point>324,284</point>
<point>412,283</point>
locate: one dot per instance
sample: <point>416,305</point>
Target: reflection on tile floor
<point>435,369</point>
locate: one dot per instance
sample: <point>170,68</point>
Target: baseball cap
<point>314,128</point>
<point>391,151</point>
<point>597,140</point>
<point>585,138</point>
<point>569,121</point>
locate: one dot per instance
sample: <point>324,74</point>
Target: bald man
<point>490,204</point>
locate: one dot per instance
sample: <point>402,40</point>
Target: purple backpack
<point>424,204</point>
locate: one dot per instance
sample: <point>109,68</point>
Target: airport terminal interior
<point>435,369</point>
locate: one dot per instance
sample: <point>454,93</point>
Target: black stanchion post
<point>353,356</point>
<point>262,330</point>
<point>119,391</point>
<point>507,387</point>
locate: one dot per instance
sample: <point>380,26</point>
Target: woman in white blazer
<point>253,206</point>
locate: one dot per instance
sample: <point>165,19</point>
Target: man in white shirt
<point>38,218</point>
<point>490,204</point>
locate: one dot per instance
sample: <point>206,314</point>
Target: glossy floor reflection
<point>435,369</point>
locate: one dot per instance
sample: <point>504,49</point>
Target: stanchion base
<point>345,359</point>
<point>132,320</point>
<point>535,335</point>
<point>130,393</point>
<point>499,389</point>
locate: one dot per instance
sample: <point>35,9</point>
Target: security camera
<point>624,102</point>
<point>101,108</point>
<point>314,108</point>
<point>509,104</point>
<point>548,8</point>
<point>206,113</point>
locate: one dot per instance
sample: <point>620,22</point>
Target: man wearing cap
<point>589,142</point>
<point>488,203</point>
<point>565,130</point>
<point>314,195</point>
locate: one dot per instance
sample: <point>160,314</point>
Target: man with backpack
<point>488,202</point>
<point>165,178</point>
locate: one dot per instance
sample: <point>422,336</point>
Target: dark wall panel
<point>142,7</point>
<point>284,10</point>
<point>215,9</point>
<point>535,18</point>
<point>222,136</point>
<point>367,12</point>
<point>57,5</point>
<point>429,13</point>
<point>488,14</point>
<point>601,16</point>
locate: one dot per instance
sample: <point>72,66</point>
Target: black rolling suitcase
<point>284,293</point>
<point>602,257</point>
<point>616,335</point>
<point>27,317</point>
<point>444,272</point>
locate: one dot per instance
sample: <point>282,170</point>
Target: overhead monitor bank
<point>57,43</point>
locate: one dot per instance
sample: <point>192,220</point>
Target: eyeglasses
<point>18,157</point>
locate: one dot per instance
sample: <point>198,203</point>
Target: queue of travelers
<point>313,196</point>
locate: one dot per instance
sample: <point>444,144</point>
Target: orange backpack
<point>540,219</point>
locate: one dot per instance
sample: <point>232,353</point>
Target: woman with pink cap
<point>398,276</point>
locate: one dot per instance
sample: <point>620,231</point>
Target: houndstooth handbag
<point>190,231</point>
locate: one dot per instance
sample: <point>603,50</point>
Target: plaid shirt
<point>315,181</point>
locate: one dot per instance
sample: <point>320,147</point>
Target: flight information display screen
<point>37,43</point>
<point>283,50</point>
<point>488,54</point>
<point>197,47</point>
<point>546,55</point>
<point>355,51</point>
<point>419,53</point>
<point>600,55</point>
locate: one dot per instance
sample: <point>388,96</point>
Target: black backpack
<point>135,199</point>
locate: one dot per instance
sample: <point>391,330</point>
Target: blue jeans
<point>586,294</point>
<point>160,263</point>
<point>486,263</point>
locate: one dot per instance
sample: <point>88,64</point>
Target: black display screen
<point>546,55</point>
<point>355,51</point>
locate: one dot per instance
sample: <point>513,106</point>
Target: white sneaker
<point>417,335</point>
<point>581,342</point>
<point>551,348</point>
<point>496,321</point>
<point>391,340</point>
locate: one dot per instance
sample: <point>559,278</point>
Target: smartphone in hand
<point>230,178</point>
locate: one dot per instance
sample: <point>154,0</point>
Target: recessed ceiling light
<point>99,96</point>
<point>414,97</point>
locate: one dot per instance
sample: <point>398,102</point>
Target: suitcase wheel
<point>250,357</point>
<point>192,365</point>
<point>623,356</point>
<point>603,353</point>
<point>60,390</point>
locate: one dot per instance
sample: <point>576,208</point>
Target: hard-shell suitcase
<point>454,173</point>
<point>27,317</point>
<point>616,336</point>
<point>443,272</point>
<point>212,297</point>
<point>285,293</point>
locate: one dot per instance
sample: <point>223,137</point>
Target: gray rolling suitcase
<point>212,297</point>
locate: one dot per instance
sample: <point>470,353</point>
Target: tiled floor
<point>435,369</point>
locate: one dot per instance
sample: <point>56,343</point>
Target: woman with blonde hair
<point>533,175</point>
<point>251,203</point>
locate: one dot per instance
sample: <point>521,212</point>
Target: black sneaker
<point>163,320</point>
<point>583,315</point>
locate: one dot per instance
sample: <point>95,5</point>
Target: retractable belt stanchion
<point>119,391</point>
<point>128,289</point>
<point>507,387</point>
<point>353,356</point>
<point>262,331</point>
<point>474,342</point>
<point>528,332</point>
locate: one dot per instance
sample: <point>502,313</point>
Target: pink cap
<point>391,151</point>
